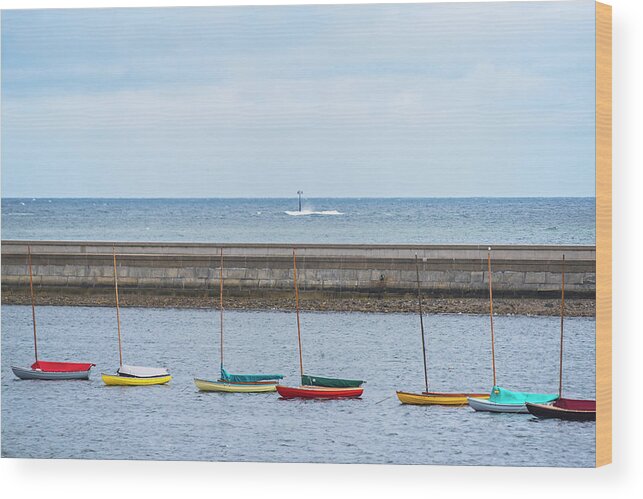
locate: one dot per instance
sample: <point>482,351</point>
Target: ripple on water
<point>86,419</point>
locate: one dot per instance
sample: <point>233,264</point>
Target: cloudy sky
<point>488,99</point>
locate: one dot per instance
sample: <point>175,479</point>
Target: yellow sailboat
<point>221,386</point>
<point>118,379</point>
<point>132,375</point>
<point>426,397</point>
<point>437,398</point>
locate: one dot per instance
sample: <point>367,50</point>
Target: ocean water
<point>368,221</point>
<point>88,420</point>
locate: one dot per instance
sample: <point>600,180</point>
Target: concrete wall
<point>263,268</point>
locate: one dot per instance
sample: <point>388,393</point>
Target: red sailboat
<point>45,370</point>
<point>334,388</point>
<point>564,408</point>
<point>318,392</point>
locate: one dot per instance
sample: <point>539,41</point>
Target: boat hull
<point>437,398</point>
<point>220,386</point>
<point>318,392</point>
<point>23,373</point>
<point>116,380</point>
<point>482,405</point>
<point>549,411</point>
<point>575,404</point>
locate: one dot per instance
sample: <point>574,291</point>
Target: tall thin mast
<point>301,360</point>
<point>118,311</point>
<point>426,375</point>
<point>221,303</point>
<point>493,350</point>
<point>562,316</point>
<point>33,306</point>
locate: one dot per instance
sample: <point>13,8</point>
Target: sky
<point>415,100</point>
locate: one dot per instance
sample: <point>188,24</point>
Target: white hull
<point>142,372</point>
<point>47,375</point>
<point>487,406</point>
<point>310,212</point>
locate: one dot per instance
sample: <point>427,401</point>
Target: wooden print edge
<point>603,234</point>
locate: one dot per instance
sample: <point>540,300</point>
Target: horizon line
<point>295,197</point>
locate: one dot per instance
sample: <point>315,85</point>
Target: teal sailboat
<point>235,383</point>
<point>501,399</point>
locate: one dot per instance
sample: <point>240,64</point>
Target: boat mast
<point>493,351</point>
<point>33,306</point>
<point>562,316</point>
<point>221,303</point>
<point>301,361</point>
<point>118,311</point>
<point>426,375</point>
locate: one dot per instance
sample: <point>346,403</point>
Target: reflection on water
<point>85,419</point>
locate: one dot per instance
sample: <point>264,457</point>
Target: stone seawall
<point>178,269</point>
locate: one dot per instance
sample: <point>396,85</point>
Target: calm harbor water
<point>85,419</point>
<point>426,221</point>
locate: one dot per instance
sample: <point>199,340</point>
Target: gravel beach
<point>574,307</point>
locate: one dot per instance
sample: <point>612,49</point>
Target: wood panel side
<point>603,234</point>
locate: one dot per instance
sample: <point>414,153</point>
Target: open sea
<point>330,220</point>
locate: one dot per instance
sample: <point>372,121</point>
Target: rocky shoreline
<point>574,307</point>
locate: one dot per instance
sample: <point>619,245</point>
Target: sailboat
<point>317,387</point>
<point>47,370</point>
<point>564,408</point>
<point>132,375</point>
<point>427,397</point>
<point>235,383</point>
<point>501,399</point>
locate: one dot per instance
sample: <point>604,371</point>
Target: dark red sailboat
<point>570,409</point>
<point>564,408</point>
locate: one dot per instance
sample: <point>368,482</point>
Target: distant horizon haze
<point>304,198</point>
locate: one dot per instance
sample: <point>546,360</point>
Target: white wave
<point>311,212</point>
